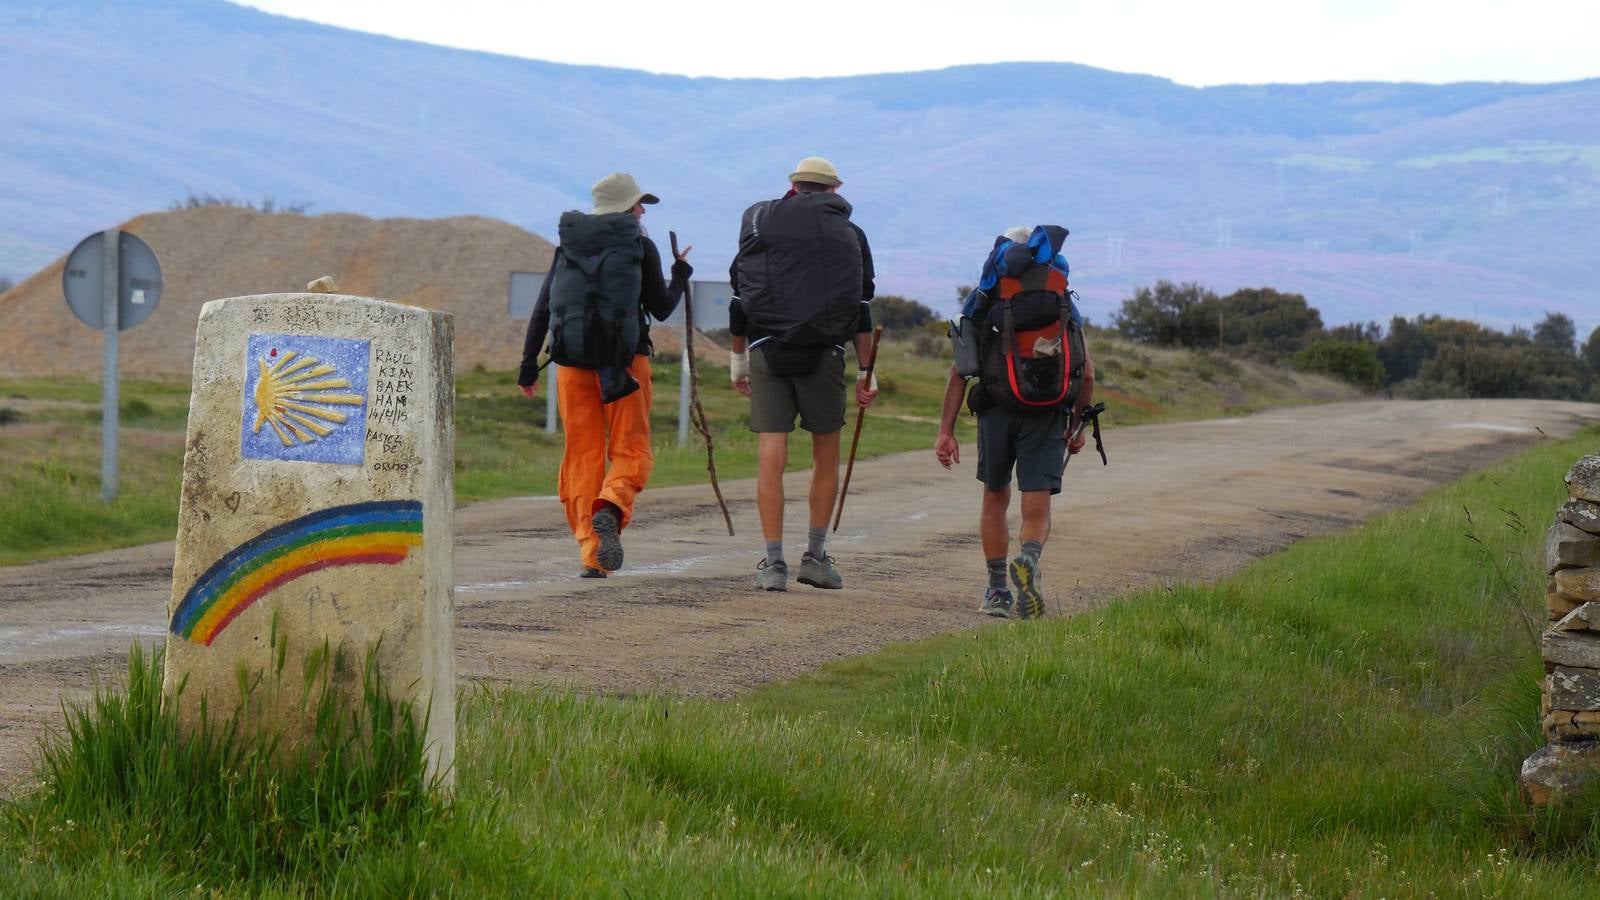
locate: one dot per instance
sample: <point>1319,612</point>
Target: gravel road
<point>1190,501</point>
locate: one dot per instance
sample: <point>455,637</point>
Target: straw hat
<point>815,169</point>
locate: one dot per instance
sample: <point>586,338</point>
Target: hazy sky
<point>1196,43</point>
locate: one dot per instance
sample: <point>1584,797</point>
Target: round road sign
<point>138,282</point>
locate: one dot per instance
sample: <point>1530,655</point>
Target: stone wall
<point>1570,706</point>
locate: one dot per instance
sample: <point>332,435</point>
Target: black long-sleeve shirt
<point>739,323</point>
<point>657,297</point>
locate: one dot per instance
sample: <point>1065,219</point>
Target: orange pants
<point>608,455</point>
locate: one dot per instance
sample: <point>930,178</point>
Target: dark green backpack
<point>594,290</point>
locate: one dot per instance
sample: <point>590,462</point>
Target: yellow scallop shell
<point>298,397</point>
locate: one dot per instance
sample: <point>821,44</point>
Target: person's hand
<point>742,385</point>
<point>528,389</point>
<point>1075,443</point>
<point>683,255</point>
<point>866,389</point>
<point>739,371</point>
<point>946,449</point>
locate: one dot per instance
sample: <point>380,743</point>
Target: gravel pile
<point>459,265</point>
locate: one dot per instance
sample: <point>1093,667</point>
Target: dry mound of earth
<point>458,265</point>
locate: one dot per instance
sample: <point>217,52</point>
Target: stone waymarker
<point>317,510</point>
<point>1570,705</point>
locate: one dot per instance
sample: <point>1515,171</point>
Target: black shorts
<point>1031,443</point>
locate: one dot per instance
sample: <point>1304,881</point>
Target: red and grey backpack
<point>1030,346</point>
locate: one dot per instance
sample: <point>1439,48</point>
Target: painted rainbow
<point>378,533</point>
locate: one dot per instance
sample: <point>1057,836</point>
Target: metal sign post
<point>112,282</point>
<point>110,323</point>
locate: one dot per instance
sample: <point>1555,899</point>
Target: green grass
<point>1342,719</point>
<point>224,803</point>
<point>50,438</point>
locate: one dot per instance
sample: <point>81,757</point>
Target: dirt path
<point>1191,501</point>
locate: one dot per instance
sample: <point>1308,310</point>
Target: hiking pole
<point>1085,416</point>
<point>861,415</point>
<point>697,413</point>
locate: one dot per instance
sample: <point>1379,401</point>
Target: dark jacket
<point>739,325</point>
<point>656,297</point>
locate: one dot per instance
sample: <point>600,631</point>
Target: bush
<point>267,205</point>
<point>1355,363</point>
<point>900,315</point>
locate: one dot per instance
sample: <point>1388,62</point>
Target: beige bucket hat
<point>618,192</point>
<point>816,169</point>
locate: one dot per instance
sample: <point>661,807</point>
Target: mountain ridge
<point>1373,199</point>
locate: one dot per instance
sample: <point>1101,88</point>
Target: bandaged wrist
<point>739,366</point>
<point>865,375</point>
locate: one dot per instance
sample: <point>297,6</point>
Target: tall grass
<point>225,801</point>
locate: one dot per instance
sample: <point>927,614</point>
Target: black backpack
<point>800,269</point>
<point>1030,350</point>
<point>594,290</point>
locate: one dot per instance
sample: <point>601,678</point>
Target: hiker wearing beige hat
<point>604,282</point>
<point>802,280</point>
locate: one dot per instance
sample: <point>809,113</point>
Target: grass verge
<point>50,437</point>
<point>1342,719</point>
<point>224,803</point>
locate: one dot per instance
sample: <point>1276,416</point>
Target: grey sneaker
<point>608,529</point>
<point>820,573</point>
<point>996,602</point>
<point>772,576</point>
<point>1025,575</point>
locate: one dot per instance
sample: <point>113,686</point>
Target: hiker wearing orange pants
<point>608,457</point>
<point>603,286</point>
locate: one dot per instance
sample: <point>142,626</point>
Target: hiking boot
<point>819,573</point>
<point>608,528</point>
<point>772,576</point>
<point>996,602</point>
<point>592,572</point>
<point>1025,575</point>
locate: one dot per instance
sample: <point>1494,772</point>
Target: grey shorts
<point>817,398</point>
<point>1030,443</point>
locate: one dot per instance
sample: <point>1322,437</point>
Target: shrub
<point>1355,363</point>
<point>267,204</point>
<point>899,314</point>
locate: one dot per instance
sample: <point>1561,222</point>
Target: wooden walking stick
<point>697,413</point>
<point>861,415</point>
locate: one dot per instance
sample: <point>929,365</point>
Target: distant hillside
<point>1474,200</point>
<point>456,265</point>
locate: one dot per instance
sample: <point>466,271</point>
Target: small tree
<point>1169,315</point>
<point>1266,321</point>
<point>1356,333</point>
<point>6,283</point>
<point>899,314</point>
<point>1556,332</point>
